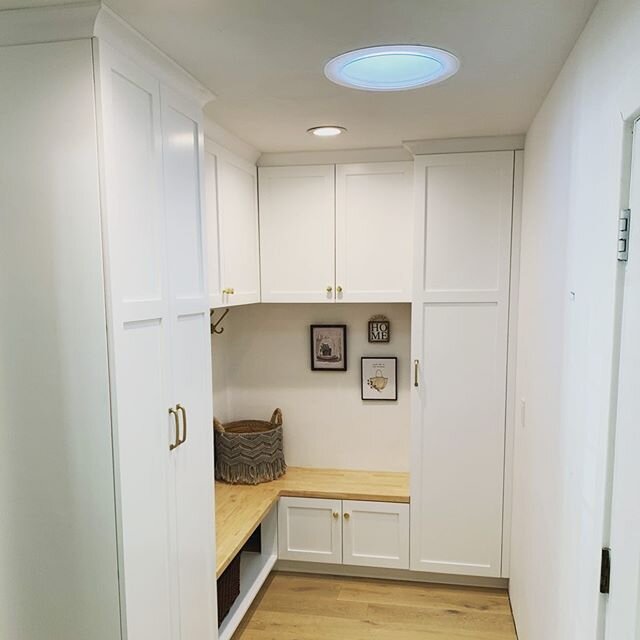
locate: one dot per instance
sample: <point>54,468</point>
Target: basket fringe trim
<point>244,473</point>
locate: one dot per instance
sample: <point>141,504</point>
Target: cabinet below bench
<point>351,532</point>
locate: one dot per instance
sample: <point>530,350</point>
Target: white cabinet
<point>375,534</point>
<point>459,342</point>
<point>232,228</point>
<point>336,233</point>
<point>159,327</point>
<point>310,529</point>
<point>374,223</point>
<point>353,532</point>
<point>111,243</point>
<point>297,232</point>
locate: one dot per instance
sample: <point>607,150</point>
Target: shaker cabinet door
<point>375,534</point>
<point>297,233</point>
<point>192,460</point>
<point>374,223</point>
<point>310,529</point>
<point>459,342</point>
<point>238,229</point>
<point>137,288</point>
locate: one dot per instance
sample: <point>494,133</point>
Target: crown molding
<point>111,28</point>
<point>34,25</point>
<point>82,20</point>
<point>227,140</point>
<point>465,145</point>
<point>337,156</point>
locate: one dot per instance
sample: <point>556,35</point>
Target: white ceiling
<point>264,60</point>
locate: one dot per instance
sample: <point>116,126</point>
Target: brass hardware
<point>229,291</point>
<point>177,443</point>
<point>329,289</point>
<point>336,515</point>
<point>347,516</point>
<point>183,411</point>
<point>339,289</point>
<point>416,365</point>
<point>232,291</point>
<point>225,291</point>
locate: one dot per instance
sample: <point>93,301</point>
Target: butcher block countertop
<point>241,508</point>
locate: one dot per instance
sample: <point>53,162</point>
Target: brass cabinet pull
<point>347,516</point>
<point>329,289</point>
<point>183,411</point>
<point>416,365</point>
<point>339,289</point>
<point>229,291</point>
<point>177,443</point>
<point>336,515</point>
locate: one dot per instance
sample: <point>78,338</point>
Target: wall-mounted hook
<point>214,325</point>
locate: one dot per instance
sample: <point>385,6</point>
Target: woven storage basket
<point>228,588</point>
<point>249,451</point>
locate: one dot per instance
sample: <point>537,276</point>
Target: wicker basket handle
<point>218,426</point>
<point>276,418</point>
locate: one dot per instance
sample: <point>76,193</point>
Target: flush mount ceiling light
<point>391,67</point>
<point>326,131</point>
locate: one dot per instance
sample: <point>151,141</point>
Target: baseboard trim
<point>292,566</point>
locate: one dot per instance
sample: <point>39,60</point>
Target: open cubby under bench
<point>247,521</point>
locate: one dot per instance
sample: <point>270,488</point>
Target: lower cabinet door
<point>376,534</point>
<point>310,529</point>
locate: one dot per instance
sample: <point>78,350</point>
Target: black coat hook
<point>214,325</point>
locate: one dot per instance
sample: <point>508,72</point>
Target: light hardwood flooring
<point>305,607</point>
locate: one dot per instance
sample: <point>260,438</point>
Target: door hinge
<point>605,571</point>
<point>624,222</point>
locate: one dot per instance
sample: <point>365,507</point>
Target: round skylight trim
<point>392,67</point>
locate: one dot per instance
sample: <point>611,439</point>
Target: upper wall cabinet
<point>336,233</point>
<point>232,228</point>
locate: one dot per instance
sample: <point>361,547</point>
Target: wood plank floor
<point>305,607</point>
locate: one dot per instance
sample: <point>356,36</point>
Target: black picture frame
<point>328,347</point>
<point>376,335</point>
<point>370,391</point>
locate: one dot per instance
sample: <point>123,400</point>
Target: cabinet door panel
<point>459,338</point>
<point>192,460</point>
<point>374,223</point>
<point>297,233</point>
<point>310,529</point>
<point>237,197</point>
<point>137,290</point>
<point>214,242</point>
<point>376,534</point>
<point>181,154</point>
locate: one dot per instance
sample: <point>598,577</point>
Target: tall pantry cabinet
<point>465,243</point>
<point>138,540</point>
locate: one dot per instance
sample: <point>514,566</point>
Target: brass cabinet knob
<point>336,515</point>
<point>232,291</point>
<point>339,289</point>
<point>329,289</point>
<point>347,516</point>
<point>228,291</point>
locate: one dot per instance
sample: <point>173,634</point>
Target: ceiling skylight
<point>392,67</point>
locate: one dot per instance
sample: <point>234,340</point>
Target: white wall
<point>572,193</point>
<point>262,361</point>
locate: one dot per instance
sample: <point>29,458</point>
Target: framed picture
<point>379,378</point>
<point>328,347</point>
<point>379,329</point>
